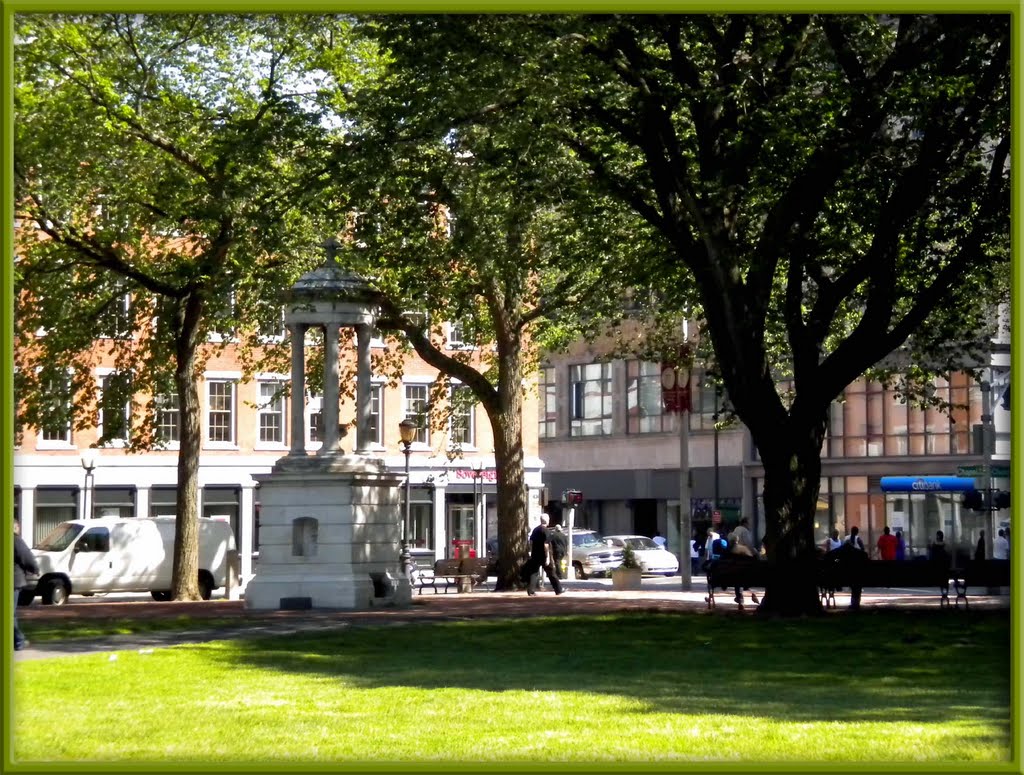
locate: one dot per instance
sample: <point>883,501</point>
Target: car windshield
<point>60,537</point>
<point>586,539</point>
<point>641,542</point>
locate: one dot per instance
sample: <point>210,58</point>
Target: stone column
<point>298,334</point>
<point>331,391</point>
<point>363,388</point>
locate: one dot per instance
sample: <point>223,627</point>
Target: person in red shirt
<point>887,545</point>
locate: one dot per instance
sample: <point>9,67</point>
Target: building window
<point>417,409</point>
<point>223,503</point>
<point>113,502</point>
<point>53,506</point>
<point>56,412</point>
<point>314,418</point>
<point>115,408</point>
<point>705,402</point>
<point>271,411</point>
<point>376,407</point>
<point>546,428</point>
<point>168,418</point>
<point>115,319</point>
<point>271,322</point>
<point>645,411</point>
<point>463,402</point>
<point>590,399</point>
<point>220,411</point>
<point>163,502</point>
<point>459,337</point>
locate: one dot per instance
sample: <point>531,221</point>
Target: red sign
<point>716,517</point>
<point>468,473</point>
<point>675,396</point>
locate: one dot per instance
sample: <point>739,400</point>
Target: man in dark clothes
<point>24,562</point>
<point>540,558</point>
<point>558,548</point>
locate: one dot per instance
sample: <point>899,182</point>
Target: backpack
<point>719,547</point>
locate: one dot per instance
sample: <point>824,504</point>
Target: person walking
<point>856,553</point>
<point>979,550</point>
<point>742,542</point>
<point>559,548</point>
<point>1000,546</point>
<point>901,546</point>
<point>887,545</point>
<point>540,559</point>
<point>832,541</point>
<point>24,563</point>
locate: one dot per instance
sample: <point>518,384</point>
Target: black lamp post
<point>88,459</point>
<point>407,432</point>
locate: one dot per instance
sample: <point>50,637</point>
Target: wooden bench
<point>883,573</point>
<point>468,571</point>
<point>833,574</point>
<point>980,573</point>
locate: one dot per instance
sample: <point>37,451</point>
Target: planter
<point>625,579</point>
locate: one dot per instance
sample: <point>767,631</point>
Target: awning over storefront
<point>927,484</point>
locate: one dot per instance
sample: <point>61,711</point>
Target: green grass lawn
<point>881,687</point>
<point>48,630</point>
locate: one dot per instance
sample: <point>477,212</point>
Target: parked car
<point>591,556</point>
<point>652,558</point>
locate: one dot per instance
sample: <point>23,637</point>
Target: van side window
<point>304,537</point>
<point>96,539</point>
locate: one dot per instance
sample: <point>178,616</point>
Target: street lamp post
<point>407,432</point>
<point>478,484</point>
<point>88,459</point>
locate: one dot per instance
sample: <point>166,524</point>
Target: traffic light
<point>974,500</point>
<point>1002,499</point>
<point>573,497</point>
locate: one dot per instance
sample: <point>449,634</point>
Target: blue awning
<point>928,484</point>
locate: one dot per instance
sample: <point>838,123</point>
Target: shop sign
<point>927,483</point>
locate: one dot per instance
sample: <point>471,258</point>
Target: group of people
<point>739,544</point>
<point>891,546</point>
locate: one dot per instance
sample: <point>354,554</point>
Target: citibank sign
<point>927,483</point>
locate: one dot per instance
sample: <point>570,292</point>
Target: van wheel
<point>205,586</point>
<point>162,595</point>
<point>578,568</point>
<point>55,592</point>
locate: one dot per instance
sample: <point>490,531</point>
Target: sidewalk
<point>579,599</point>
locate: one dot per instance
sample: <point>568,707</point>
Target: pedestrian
<point>559,548</point>
<point>659,539</point>
<point>540,559</point>
<point>694,557</point>
<point>741,541</point>
<point>901,546</point>
<point>856,553</point>
<point>832,541</point>
<point>887,544</point>
<point>1000,546</point>
<point>710,547</point>
<point>938,554</point>
<point>979,550</point>
<point>24,564</point>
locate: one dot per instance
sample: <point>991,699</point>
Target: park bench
<point>980,573</point>
<point>457,573</point>
<point>834,574</point>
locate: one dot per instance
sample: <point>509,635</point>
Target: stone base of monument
<point>329,535</point>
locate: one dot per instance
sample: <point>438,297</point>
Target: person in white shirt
<point>1000,547</point>
<point>659,539</point>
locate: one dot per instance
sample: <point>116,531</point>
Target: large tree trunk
<point>792,479</point>
<point>507,426</point>
<point>185,578</point>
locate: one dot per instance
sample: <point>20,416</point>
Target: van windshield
<point>60,537</point>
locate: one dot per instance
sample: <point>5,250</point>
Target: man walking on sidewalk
<point>540,559</point>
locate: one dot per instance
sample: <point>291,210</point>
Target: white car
<point>652,558</point>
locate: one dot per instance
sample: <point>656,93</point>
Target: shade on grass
<point>881,687</point>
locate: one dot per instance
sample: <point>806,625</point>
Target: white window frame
<point>62,443</point>
<point>216,336</point>
<point>456,337</point>
<point>314,406</point>
<point>222,378</point>
<point>277,382</point>
<point>470,416</point>
<point>102,375</point>
<point>377,397</point>
<point>422,438</point>
<point>279,336</point>
<point>160,400</point>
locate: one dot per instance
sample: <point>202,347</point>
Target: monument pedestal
<point>329,535</point>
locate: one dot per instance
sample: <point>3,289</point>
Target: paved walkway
<point>428,607</point>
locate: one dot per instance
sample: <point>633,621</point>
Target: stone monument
<point>329,522</point>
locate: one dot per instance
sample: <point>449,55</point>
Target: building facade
<point>60,473</point>
<point>603,431</point>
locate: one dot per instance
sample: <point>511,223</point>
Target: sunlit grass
<point>880,687</point>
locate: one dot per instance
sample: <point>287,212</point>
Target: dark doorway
<point>645,516</point>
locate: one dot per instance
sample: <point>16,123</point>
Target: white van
<point>114,554</point>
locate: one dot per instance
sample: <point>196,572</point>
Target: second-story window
<point>168,417</point>
<point>220,411</point>
<point>548,403</point>
<point>590,399</point>
<point>645,411</point>
<point>271,410</point>
<point>115,407</point>
<point>463,431</point>
<point>417,409</point>
<point>376,398</point>
<point>56,410</point>
<point>115,321</point>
